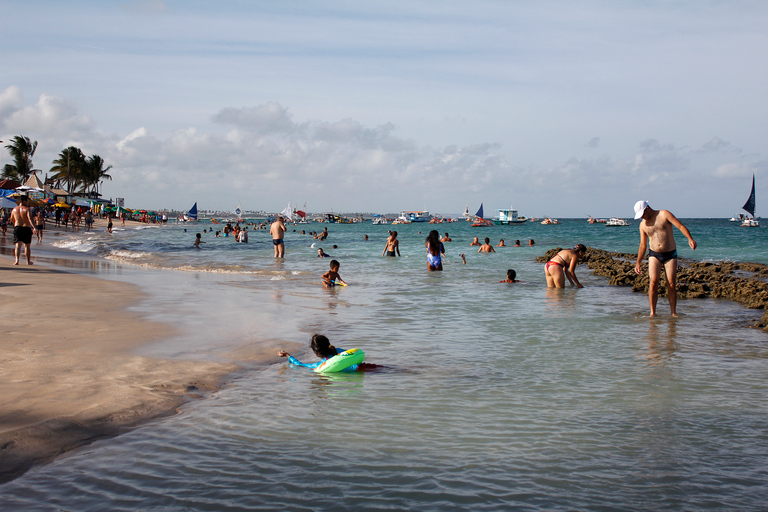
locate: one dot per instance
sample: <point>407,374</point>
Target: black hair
<point>335,263</point>
<point>433,239</point>
<point>322,346</point>
<point>487,240</point>
<point>580,248</point>
<point>511,274</point>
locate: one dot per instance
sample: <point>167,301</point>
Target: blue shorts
<point>277,241</point>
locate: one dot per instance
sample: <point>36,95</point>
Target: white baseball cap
<point>640,207</point>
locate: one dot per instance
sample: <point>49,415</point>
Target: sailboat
<point>466,214</point>
<point>191,215</point>
<point>749,207</point>
<point>288,212</point>
<point>480,222</point>
<point>239,211</point>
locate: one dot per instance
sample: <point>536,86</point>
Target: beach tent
<point>34,182</point>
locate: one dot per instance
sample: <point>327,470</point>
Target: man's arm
<point>641,250</point>
<point>681,227</point>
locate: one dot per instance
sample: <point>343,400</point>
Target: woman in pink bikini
<point>563,265</point>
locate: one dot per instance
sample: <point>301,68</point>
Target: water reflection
<point>661,338</point>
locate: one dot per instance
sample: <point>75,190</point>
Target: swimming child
<point>323,349</point>
<point>198,240</point>
<point>511,274</point>
<point>332,275</point>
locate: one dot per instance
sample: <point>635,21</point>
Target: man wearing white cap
<point>656,226</point>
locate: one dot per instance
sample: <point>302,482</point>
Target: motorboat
<point>508,216</point>
<point>415,216</point>
<point>615,221</point>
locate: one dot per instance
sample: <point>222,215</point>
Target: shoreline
<point>69,365</point>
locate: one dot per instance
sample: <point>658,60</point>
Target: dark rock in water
<point>745,283</point>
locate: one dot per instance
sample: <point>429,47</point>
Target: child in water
<point>198,240</point>
<point>330,277</point>
<point>511,274</point>
<point>323,349</point>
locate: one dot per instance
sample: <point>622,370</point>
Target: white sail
<point>288,212</point>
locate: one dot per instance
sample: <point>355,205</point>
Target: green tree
<point>94,173</point>
<point>69,168</point>
<point>21,149</point>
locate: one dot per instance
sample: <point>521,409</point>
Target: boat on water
<point>738,217</point>
<point>593,220</point>
<point>547,221</point>
<point>749,207</point>
<point>479,221</point>
<point>414,216</point>
<point>379,219</point>
<point>615,221</point>
<point>191,215</point>
<point>466,216</point>
<point>509,216</point>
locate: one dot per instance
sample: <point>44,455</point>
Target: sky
<point>556,108</point>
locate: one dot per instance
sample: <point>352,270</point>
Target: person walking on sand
<point>656,228</point>
<point>563,265</point>
<point>277,230</point>
<point>39,225</point>
<point>23,229</point>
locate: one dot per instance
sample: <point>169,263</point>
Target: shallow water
<point>492,396</point>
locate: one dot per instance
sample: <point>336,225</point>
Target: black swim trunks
<point>277,241</point>
<point>22,234</point>
<point>663,257</point>
<point>390,253</point>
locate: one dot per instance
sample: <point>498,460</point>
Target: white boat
<point>749,207</point>
<point>379,219</point>
<point>547,221</point>
<point>738,217</point>
<point>507,217</point>
<point>414,216</point>
<point>615,221</point>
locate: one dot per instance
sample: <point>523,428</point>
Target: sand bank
<point>68,368</point>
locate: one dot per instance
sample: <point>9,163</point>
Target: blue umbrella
<point>7,203</point>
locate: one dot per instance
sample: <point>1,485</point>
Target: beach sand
<point>68,367</point>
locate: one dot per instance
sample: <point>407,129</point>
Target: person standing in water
<point>656,229</point>
<point>563,265</point>
<point>277,230</point>
<point>434,250</point>
<point>393,245</point>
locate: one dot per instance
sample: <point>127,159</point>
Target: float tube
<point>340,362</point>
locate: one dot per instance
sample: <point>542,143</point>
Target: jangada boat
<point>480,222</point>
<point>749,207</point>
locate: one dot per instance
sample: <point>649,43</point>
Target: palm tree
<point>68,168</point>
<point>94,173</point>
<point>21,149</point>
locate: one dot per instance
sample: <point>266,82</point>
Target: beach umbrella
<point>61,205</point>
<point>7,203</point>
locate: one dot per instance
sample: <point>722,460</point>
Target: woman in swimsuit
<point>434,250</point>
<point>564,265</point>
<point>393,245</point>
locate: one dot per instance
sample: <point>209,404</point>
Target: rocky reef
<point>745,283</point>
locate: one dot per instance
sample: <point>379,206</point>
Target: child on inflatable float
<point>333,359</point>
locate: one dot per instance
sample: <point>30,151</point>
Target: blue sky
<point>556,108</point>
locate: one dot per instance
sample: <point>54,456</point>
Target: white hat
<point>640,207</point>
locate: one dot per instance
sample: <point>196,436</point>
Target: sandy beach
<point>69,370</point>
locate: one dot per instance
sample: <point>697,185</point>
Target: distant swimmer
<point>511,274</point>
<point>321,254</point>
<point>563,265</point>
<point>277,230</point>
<point>501,243</point>
<point>446,238</point>
<point>531,243</point>
<point>656,228</point>
<point>332,277</point>
<point>392,247</point>
<point>23,229</point>
<point>475,242</point>
<point>486,247</point>
<point>517,243</point>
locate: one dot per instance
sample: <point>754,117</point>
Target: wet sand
<point>68,365</point>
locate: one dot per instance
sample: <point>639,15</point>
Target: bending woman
<point>563,265</point>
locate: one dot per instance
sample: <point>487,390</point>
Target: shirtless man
<point>656,226</point>
<point>277,230</point>
<point>446,238</point>
<point>23,229</point>
<point>486,247</point>
<point>475,242</point>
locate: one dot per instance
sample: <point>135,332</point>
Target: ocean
<point>489,397</point>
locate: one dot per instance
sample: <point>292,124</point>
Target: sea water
<point>489,397</point>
